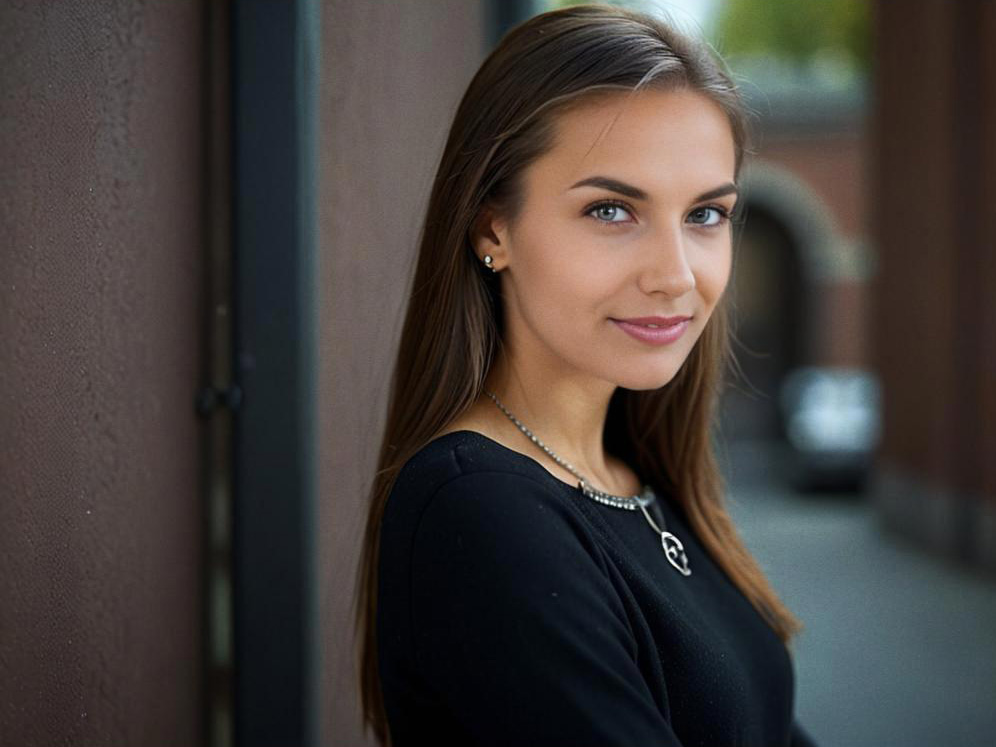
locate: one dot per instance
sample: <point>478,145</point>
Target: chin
<point>641,381</point>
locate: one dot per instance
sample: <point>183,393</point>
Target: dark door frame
<point>275,63</point>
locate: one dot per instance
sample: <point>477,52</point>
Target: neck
<point>567,413</point>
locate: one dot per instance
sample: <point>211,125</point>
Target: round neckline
<point>574,488</point>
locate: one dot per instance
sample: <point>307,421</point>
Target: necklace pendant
<point>675,552</point>
<point>673,548</point>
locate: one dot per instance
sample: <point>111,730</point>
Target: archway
<point>787,247</point>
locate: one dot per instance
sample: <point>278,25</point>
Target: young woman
<point>548,559</point>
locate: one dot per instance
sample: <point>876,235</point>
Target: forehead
<point>655,139</point>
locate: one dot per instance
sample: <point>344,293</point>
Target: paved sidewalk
<point>899,647</point>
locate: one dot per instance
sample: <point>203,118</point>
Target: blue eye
<point>608,212</point>
<point>721,215</point>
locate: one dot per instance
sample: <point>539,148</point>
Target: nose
<point>665,267</point>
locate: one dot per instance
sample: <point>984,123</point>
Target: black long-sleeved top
<point>513,610</point>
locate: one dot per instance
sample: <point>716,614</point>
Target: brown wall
<point>934,311</point>
<point>833,166</point>
<point>100,263</point>
<point>392,77</point>
<point>811,179</point>
<point>842,325</point>
<point>987,255</point>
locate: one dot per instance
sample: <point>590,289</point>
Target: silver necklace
<point>673,548</point>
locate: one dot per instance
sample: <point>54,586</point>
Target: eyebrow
<point>635,193</point>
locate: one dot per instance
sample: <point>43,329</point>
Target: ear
<point>489,235</point>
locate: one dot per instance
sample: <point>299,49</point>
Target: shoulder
<point>465,483</point>
<point>483,536</point>
<point>467,461</point>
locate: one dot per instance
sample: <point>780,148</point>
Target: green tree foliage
<point>796,30</point>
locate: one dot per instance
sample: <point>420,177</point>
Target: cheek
<point>713,274</point>
<point>566,292</point>
<point>564,273</point>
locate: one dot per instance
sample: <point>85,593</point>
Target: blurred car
<point>832,420</point>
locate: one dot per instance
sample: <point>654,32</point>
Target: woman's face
<point>621,222</point>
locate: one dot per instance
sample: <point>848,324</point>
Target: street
<point>899,647</point>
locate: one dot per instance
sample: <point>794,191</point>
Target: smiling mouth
<point>655,322</point>
<point>655,333</point>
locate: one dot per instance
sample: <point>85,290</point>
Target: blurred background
<point>209,216</point>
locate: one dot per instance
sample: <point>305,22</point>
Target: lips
<point>654,330</point>
<point>655,321</point>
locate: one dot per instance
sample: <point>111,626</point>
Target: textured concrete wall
<point>393,75</point>
<point>100,267</point>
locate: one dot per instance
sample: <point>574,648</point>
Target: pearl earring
<point>488,260</point>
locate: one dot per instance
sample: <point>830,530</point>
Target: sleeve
<point>517,625</point>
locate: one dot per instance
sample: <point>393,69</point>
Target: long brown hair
<point>453,325</point>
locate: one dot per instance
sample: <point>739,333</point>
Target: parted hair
<point>453,322</point>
